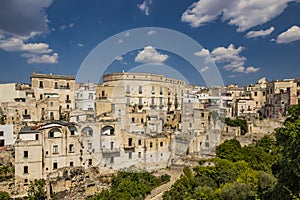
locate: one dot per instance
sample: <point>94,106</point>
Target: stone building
<point>55,95</point>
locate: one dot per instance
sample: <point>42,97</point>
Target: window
<point>36,136</point>
<point>202,114</point>
<point>112,159</point>
<point>55,149</point>
<point>140,101</point>
<point>67,97</point>
<point>41,96</point>
<point>140,154</point>
<point>111,145</point>
<point>25,169</point>
<point>91,96</point>
<point>1,133</point>
<point>140,142</point>
<point>71,148</point>
<point>25,154</point>
<point>151,144</point>
<point>140,89</point>
<point>90,132</point>
<point>90,145</point>
<point>130,155</point>
<point>161,144</point>
<point>127,88</point>
<point>132,120</point>
<point>51,116</point>
<point>55,85</point>
<point>68,106</point>
<point>2,143</point>
<point>71,164</point>
<point>41,84</point>
<point>255,94</point>
<point>103,93</point>
<point>153,89</point>
<point>25,112</point>
<point>51,103</point>
<point>90,161</point>
<point>160,101</point>
<point>68,85</point>
<point>128,101</point>
<point>130,142</point>
<point>55,165</point>
<point>160,90</point>
<point>191,124</point>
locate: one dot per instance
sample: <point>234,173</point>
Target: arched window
<point>55,132</point>
<point>107,130</point>
<point>87,131</point>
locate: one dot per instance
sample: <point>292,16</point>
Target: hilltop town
<point>75,136</point>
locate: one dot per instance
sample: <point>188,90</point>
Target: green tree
<point>230,149</point>
<point>236,191</point>
<point>238,122</point>
<point>287,168</point>
<point>4,196</point>
<point>37,190</point>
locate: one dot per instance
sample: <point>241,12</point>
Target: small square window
<point>161,144</point>
<point>1,133</point>
<point>71,164</point>
<point>55,165</point>
<point>140,154</point>
<point>151,144</point>
<point>130,155</point>
<point>25,169</point>
<point>25,154</point>
<point>140,142</point>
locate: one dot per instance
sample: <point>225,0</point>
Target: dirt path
<point>157,193</point>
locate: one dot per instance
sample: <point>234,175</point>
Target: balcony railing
<point>111,150</point>
<point>128,147</point>
<point>26,116</point>
<point>68,101</point>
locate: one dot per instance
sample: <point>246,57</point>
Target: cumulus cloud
<point>17,44</point>
<point>260,33</point>
<point>150,55</point>
<point>229,56</point>
<point>80,45</point>
<point>291,35</point>
<point>243,14</point>
<point>21,17</point>
<point>145,6</point>
<point>21,21</point>
<point>37,58</point>
<point>204,69</point>
<point>152,32</point>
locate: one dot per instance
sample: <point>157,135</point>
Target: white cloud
<point>150,55</point>
<point>36,58</point>
<point>251,70</point>
<point>19,17</point>
<point>21,21</point>
<point>204,69</point>
<point>145,6</point>
<point>260,33</point>
<point>152,32</point>
<point>241,13</point>
<point>203,52</point>
<point>80,45</point>
<point>229,56</point>
<point>119,58</point>
<point>71,24</point>
<point>120,41</point>
<point>62,27</point>
<point>291,35</point>
<point>17,44</point>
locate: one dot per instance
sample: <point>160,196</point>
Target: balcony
<point>26,116</point>
<point>111,150</point>
<point>102,98</point>
<point>68,101</point>
<point>129,147</point>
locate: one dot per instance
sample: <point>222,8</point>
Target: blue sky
<point>246,39</point>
